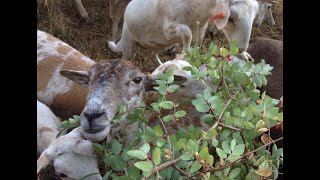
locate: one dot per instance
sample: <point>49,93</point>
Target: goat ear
<point>44,160</point>
<point>222,6</point>
<point>80,77</point>
<point>179,80</point>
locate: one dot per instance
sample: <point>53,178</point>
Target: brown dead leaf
<point>221,162</point>
<point>265,139</point>
<point>264,172</point>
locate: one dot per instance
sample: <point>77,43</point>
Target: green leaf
<point>138,154</point>
<point>264,80</point>
<point>260,124</point>
<point>225,134</point>
<point>122,108</point>
<point>207,118</point>
<point>272,112</point>
<point>167,118</point>
<point>145,148</point>
<point>247,66</point>
<point>169,71</point>
<point>134,173</point>
<point>105,177</point>
<point>180,114</point>
<point>236,112</point>
<point>170,79</point>
<point>144,165</point>
<point>186,157</point>
<point>192,146</point>
<point>257,80</point>
<point>233,157</point>
<point>116,162</point>
<point>156,158</point>
<point>195,166</point>
<point>233,144</point>
<point>161,142</point>
<point>173,88</point>
<point>204,153</point>
<point>239,77</point>
<point>239,149</point>
<point>264,165</point>
<point>199,100</point>
<point>248,125</point>
<point>224,52</point>
<point>214,142</point>
<point>162,76</point>
<point>166,105</point>
<point>116,147</point>
<point>252,176</point>
<point>97,147</point>
<point>202,108</point>
<point>210,160</point>
<point>235,172</point>
<point>221,153</point>
<point>158,130</point>
<point>226,147</point>
<point>277,153</point>
<point>233,48</point>
<point>230,120</point>
<point>278,117</point>
<point>213,133</point>
<point>206,94</point>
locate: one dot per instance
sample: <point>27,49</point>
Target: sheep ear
<point>222,6</point>
<point>43,161</point>
<point>80,77</point>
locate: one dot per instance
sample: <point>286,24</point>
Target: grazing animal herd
<point>70,83</point>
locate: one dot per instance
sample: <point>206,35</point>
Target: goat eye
<point>137,79</point>
<point>182,86</point>
<point>61,174</point>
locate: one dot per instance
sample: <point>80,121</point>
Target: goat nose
<point>241,50</point>
<point>90,116</point>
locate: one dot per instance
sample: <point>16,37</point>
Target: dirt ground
<point>61,19</point>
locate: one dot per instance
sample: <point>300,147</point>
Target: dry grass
<point>61,19</point>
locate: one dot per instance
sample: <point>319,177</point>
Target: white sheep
<point>71,156</point>
<point>159,24</point>
<point>72,84</point>
<point>265,13</point>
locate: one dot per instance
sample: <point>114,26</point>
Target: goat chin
<point>96,137</point>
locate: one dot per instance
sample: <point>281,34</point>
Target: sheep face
<point>71,156</point>
<point>238,28</point>
<point>110,83</point>
<point>188,87</point>
<point>264,12</point>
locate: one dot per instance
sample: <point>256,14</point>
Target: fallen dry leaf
<point>265,139</point>
<point>264,172</point>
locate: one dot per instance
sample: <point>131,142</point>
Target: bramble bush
<point>236,146</point>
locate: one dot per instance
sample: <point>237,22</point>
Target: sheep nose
<point>91,116</point>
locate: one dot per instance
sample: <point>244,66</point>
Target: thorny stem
<point>168,139</point>
<point>165,165</point>
<point>180,170</point>
<point>229,127</point>
<point>218,120</point>
<point>242,157</point>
